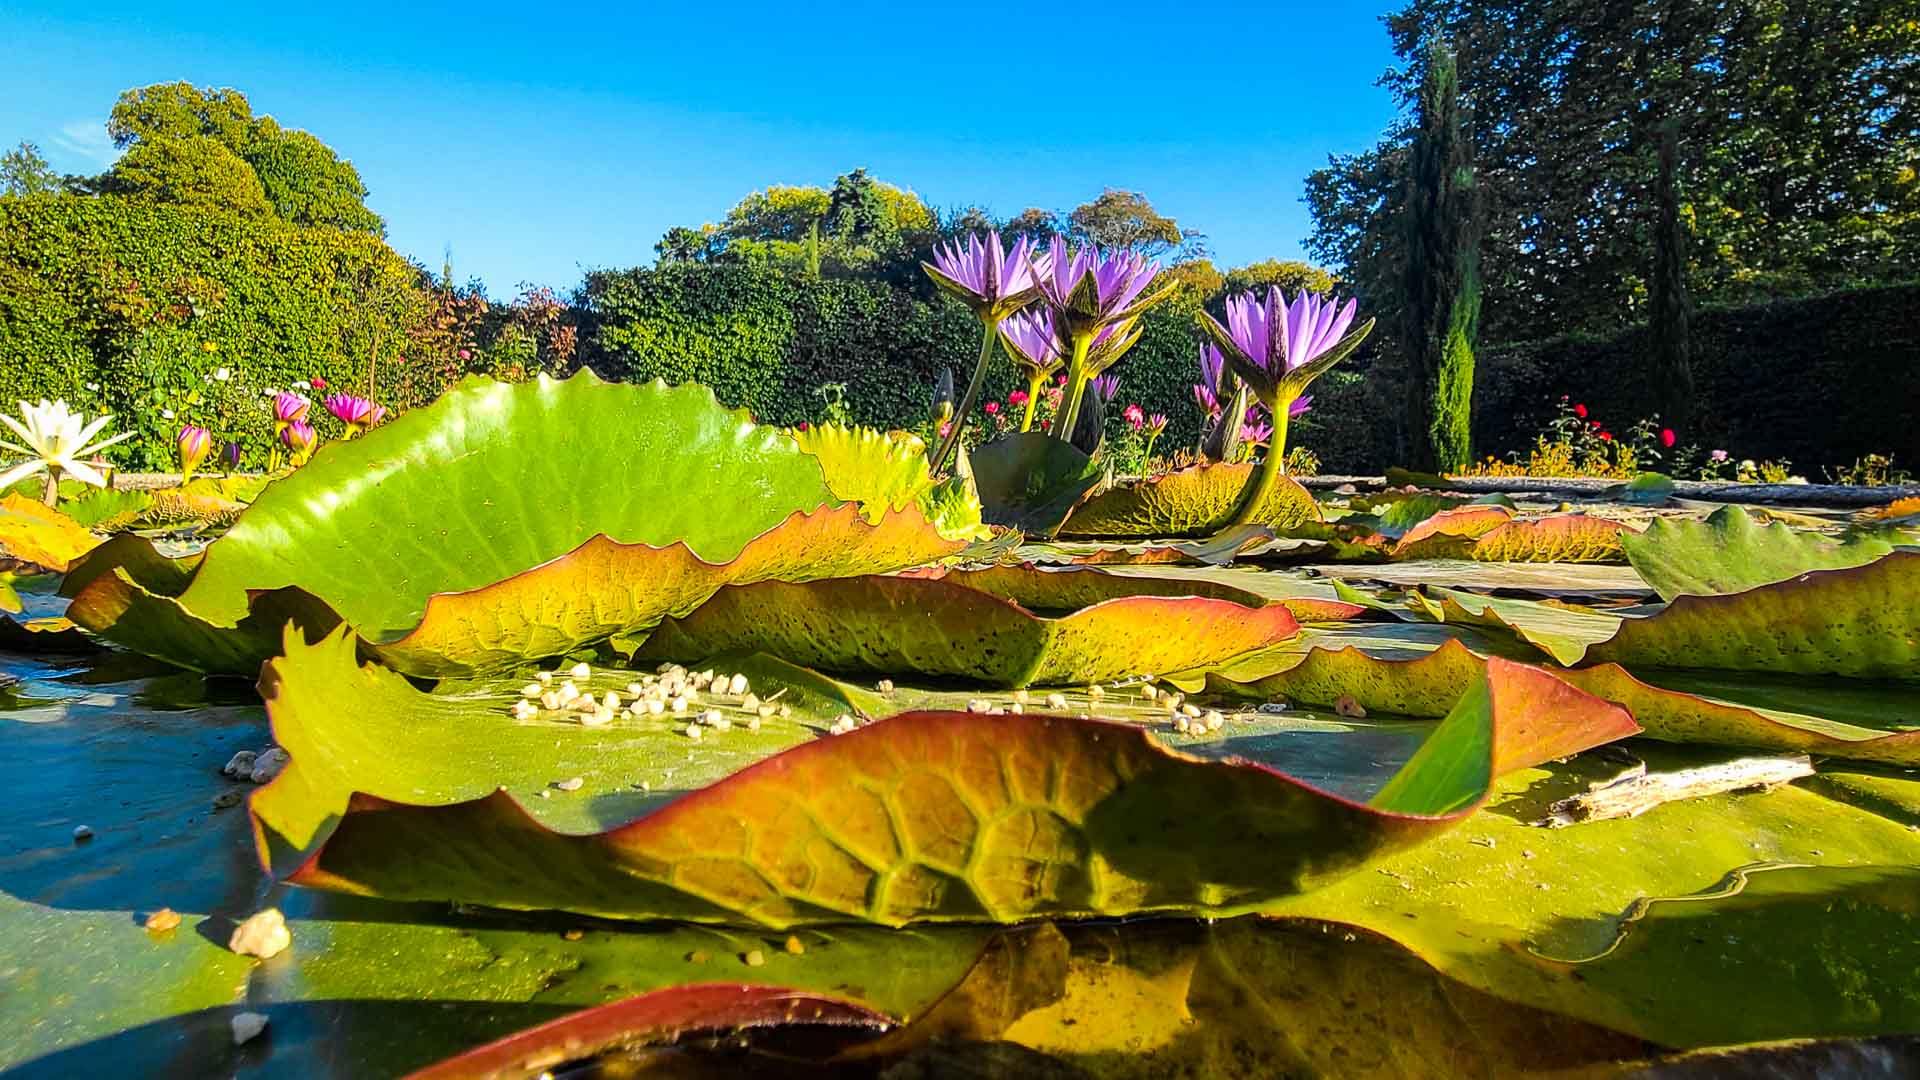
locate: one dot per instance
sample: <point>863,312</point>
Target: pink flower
<point>1061,381</point>
<point>195,444</point>
<point>1667,438</point>
<point>289,408</point>
<point>1018,397</point>
<point>357,413</point>
<point>1136,416</point>
<point>993,408</point>
<point>804,426</point>
<point>1718,455</point>
<point>300,439</point>
<point>319,383</point>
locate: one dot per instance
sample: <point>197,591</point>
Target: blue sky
<point>534,141</point>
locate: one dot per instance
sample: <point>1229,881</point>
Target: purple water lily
<point>994,283</point>
<point>1278,348</point>
<point>300,439</point>
<point>1093,291</point>
<point>982,274</point>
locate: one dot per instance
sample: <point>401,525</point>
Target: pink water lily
<point>289,408</point>
<point>194,444</point>
<point>357,413</point>
<point>300,440</point>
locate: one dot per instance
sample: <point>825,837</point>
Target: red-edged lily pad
<point>1564,538</point>
<point>1005,626</point>
<point>1429,685</point>
<point>922,816</point>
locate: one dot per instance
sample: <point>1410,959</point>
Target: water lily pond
<point>786,755</point>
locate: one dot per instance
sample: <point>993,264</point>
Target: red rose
<point>993,408</point>
<point>1580,411</point>
<point>1667,437</point>
<point>318,383</point>
<point>1018,397</point>
<point>802,425</point>
<point>1606,436</point>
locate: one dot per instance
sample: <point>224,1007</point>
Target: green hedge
<point>1818,382</point>
<point>146,301</point>
<point>767,339</point>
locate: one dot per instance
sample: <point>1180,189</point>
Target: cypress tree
<point>1671,315</point>
<point>1442,283</point>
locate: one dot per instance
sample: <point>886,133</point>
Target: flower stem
<point>1255,497</point>
<point>51,494</point>
<point>966,403</point>
<point>1034,383</point>
<point>1076,385</point>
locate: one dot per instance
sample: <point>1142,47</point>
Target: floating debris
<point>755,958</point>
<point>263,934</point>
<point>247,1027</point>
<point>163,920</point>
<point>1345,706</point>
<point>571,783</point>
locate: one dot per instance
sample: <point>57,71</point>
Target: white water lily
<point>56,440</point>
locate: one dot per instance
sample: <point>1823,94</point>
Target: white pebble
<point>571,783</point>
<point>550,701</point>
<point>1148,691</point>
<point>751,701</point>
<point>1096,692</point>
<point>531,690</point>
<point>655,707</point>
<point>711,717</point>
<point>1017,709</point>
<point>721,723</point>
<point>268,765</point>
<point>544,678</point>
<point>693,731</point>
<point>82,832</point>
<point>600,717</point>
<point>247,1026</point>
<point>635,689</point>
<point>1190,711</point>
<point>979,705</point>
<point>737,685</point>
<point>681,704</point>
<point>580,671</point>
<point>1215,721</point>
<point>1021,696</point>
<point>1056,701</point>
<point>885,686</point>
<point>264,934</point>
<point>525,710</point>
<point>240,765</point>
<point>569,693</point>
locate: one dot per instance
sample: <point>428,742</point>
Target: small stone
<point>753,723</point>
<point>163,920</point>
<point>1056,701</point>
<point>82,833</point>
<point>545,794</point>
<point>635,689</point>
<point>571,783</point>
<point>693,731</point>
<point>573,934</point>
<point>755,958</point>
<point>1191,712</point>
<point>720,723</point>
<point>711,717</point>
<point>786,711</point>
<point>751,701</point>
<point>681,703</point>
<point>1181,724</point>
<point>766,710</point>
<point>979,705</point>
<point>239,765</point>
<point>1214,720</point>
<point>263,934</point>
<point>737,685</point>
<point>531,690</point>
<point>247,1027</point>
<point>697,956</point>
<point>1021,696</point>
<point>525,710</point>
<point>656,707</point>
<point>550,701</point>
<point>227,799</point>
<point>580,671</point>
<point>795,946</point>
<point>1345,706</point>
<point>597,718</point>
<point>268,765</point>
<point>1096,691</point>
<point>568,692</point>
<point>884,686</point>
<point>610,700</point>
<point>1147,691</point>
<point>544,678</point>
<point>1017,709</point>
<point>996,711</point>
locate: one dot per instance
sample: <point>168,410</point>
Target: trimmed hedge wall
<point>766,339</point>
<point>146,301</point>
<point>1818,382</point>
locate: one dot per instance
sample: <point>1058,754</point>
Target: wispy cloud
<point>88,141</point>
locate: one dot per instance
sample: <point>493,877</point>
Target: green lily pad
<point>923,816</point>
<point>451,549</point>
<point>1450,534</point>
<point>1195,501</point>
<point>1730,552</point>
<point>1005,626</point>
<point>888,471</point>
<point>1429,685</point>
<point>1031,481</point>
<point>1861,622</point>
<point>39,537</point>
